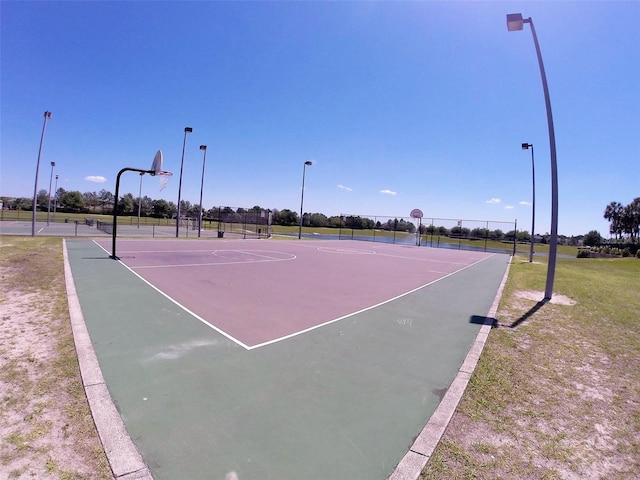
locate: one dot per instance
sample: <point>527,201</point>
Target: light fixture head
<point>47,114</point>
<point>53,164</point>
<point>514,22</point>
<point>188,129</point>
<point>308,163</point>
<point>525,146</point>
<point>203,147</point>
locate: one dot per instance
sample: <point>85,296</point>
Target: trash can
<point>220,234</point>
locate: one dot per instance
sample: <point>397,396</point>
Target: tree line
<point>102,202</point>
<point>624,220</point>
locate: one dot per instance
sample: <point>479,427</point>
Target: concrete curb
<point>123,456</point>
<point>411,465</point>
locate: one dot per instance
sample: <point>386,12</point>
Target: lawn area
<point>559,395</point>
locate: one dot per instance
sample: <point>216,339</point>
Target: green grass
<point>542,391</point>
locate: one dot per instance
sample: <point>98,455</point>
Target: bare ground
<point>45,423</point>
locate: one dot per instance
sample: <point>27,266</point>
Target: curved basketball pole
<point>115,205</point>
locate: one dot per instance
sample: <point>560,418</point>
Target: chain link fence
<point>479,235</point>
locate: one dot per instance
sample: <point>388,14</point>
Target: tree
<point>161,209</point>
<point>592,239</point>
<point>125,205</point>
<point>106,198</point>
<point>42,199</point>
<point>91,200</point>
<point>72,201</point>
<point>613,213</point>
<point>318,220</point>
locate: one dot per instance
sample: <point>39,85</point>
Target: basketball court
<point>279,359</point>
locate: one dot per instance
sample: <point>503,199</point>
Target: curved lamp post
<point>204,159</point>
<point>516,22</point>
<point>308,163</point>
<point>526,146</point>
<point>47,116</point>
<point>184,144</point>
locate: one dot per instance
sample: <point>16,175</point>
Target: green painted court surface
<point>344,400</point>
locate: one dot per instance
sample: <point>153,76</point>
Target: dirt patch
<point>45,424</point>
<point>536,296</point>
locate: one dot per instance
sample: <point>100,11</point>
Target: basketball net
<point>163,178</point>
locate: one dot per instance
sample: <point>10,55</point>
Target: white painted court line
<point>295,334</point>
<point>286,337</point>
<point>195,315</point>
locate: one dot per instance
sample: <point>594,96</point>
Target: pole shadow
<point>527,315</point>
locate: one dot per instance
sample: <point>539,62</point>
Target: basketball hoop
<point>163,175</point>
<point>164,178</point>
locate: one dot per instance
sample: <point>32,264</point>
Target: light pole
<point>53,164</point>
<point>308,163</point>
<point>204,160</point>
<point>140,198</point>
<point>184,144</point>
<point>526,146</point>
<point>55,199</point>
<point>516,22</point>
<point>47,116</point>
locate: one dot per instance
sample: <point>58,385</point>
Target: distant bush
<point>584,253</point>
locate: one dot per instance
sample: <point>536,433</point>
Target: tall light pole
<point>308,163</point>
<point>204,160</point>
<point>55,199</point>
<point>516,22</point>
<point>47,116</point>
<point>140,198</point>
<point>53,164</point>
<point>526,146</point>
<point>184,144</point>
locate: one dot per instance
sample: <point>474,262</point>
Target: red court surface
<point>257,292</point>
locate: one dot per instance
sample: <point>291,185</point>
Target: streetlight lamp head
<point>53,164</point>
<point>188,129</point>
<point>203,147</point>
<point>47,114</point>
<point>525,146</point>
<point>514,22</point>
<point>308,163</point>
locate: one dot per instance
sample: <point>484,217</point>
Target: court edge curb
<point>124,459</point>
<point>411,465</point>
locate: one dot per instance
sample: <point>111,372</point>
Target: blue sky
<point>399,105</point>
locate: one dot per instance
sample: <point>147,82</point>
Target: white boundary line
<point>295,334</point>
<point>411,465</point>
<point>367,308</point>
<point>221,332</point>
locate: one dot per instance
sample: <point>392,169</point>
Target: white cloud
<point>342,187</point>
<point>388,192</point>
<point>493,200</point>
<point>95,179</point>
<point>524,202</point>
<point>509,207</point>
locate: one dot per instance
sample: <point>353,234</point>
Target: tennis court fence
<point>479,235</point>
